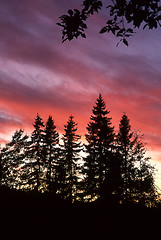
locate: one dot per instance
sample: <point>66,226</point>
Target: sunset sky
<point>39,74</point>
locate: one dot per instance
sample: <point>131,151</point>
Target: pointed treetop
<point>125,134</point>
<point>51,134</point>
<point>38,121</point>
<point>125,123</point>
<point>49,123</point>
<point>99,109</point>
<point>71,123</point>
<point>100,106</point>
<point>70,129</point>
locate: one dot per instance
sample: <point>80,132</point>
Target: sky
<point>40,74</point>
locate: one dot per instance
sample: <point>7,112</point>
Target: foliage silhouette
<point>72,148</point>
<point>123,17</point>
<point>51,152</point>
<point>112,192</point>
<point>136,170</point>
<point>36,153</point>
<point>114,171</point>
<point>25,215</point>
<point>12,157</point>
<point>100,138</point>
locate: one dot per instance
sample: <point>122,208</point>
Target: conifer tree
<point>12,159</point>
<point>35,154</point>
<point>145,190</point>
<point>71,150</point>
<point>1,167</point>
<point>137,173</point>
<point>126,144</point>
<point>51,141</point>
<point>100,138</point>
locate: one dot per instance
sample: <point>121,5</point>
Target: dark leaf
<point>125,42</point>
<point>83,25</point>
<point>83,35</point>
<point>59,24</point>
<point>64,40</point>
<point>113,31</point>
<point>77,11</point>
<point>70,12</point>
<point>130,30</point>
<point>145,26</point>
<point>103,30</point>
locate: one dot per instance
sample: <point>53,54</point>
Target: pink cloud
<point>40,74</point>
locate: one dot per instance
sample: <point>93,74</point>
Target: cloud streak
<point>40,74</point>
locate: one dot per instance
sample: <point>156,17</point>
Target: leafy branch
<point>121,12</point>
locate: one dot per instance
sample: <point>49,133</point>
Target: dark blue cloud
<point>38,72</point>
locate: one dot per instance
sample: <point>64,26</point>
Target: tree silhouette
<point>72,148</point>
<point>35,154</point>
<point>51,151</point>
<point>1,167</point>
<point>145,186</point>
<point>114,170</point>
<point>12,157</point>
<point>136,170</point>
<point>123,17</point>
<point>100,138</point>
<point>126,142</point>
<point>115,179</point>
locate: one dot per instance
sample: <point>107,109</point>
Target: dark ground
<point>32,216</point>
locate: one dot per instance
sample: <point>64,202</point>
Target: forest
<point>56,184</point>
<point>111,168</point>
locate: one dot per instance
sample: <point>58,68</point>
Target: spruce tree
<point>145,190</point>
<point>1,167</point>
<point>51,141</point>
<point>12,160</point>
<point>126,144</point>
<point>100,139</point>
<point>71,150</point>
<point>34,152</point>
<point>137,173</point>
